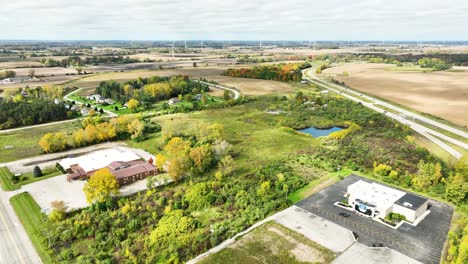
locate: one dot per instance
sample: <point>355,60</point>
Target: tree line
<point>78,61</point>
<point>280,72</point>
<point>150,90</point>
<point>96,130</point>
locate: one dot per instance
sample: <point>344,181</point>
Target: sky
<point>234,20</point>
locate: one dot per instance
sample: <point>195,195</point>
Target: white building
<point>376,200</point>
<point>99,159</point>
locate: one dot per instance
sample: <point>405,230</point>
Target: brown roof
<point>134,170</point>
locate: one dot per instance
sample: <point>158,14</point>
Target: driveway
<point>423,242</point>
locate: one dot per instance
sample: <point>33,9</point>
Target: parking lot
<point>423,242</point>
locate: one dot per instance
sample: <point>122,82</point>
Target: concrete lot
<point>59,188</point>
<point>361,254</point>
<point>423,242</point>
<point>328,234</point>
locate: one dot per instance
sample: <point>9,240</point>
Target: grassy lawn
<point>317,185</point>
<point>8,185</point>
<point>24,142</point>
<point>272,243</point>
<point>111,108</point>
<point>5,179</point>
<point>33,220</point>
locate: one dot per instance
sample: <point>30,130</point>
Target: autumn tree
<point>101,186</point>
<point>201,157</point>
<point>53,142</point>
<point>58,210</point>
<point>133,105</point>
<point>177,147</point>
<point>136,128</point>
<point>178,168</point>
<point>160,161</point>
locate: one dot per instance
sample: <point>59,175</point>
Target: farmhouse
<point>376,200</point>
<point>126,166</point>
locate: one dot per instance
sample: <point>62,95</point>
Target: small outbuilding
<point>173,101</point>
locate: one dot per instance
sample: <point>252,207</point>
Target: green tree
<point>101,186</point>
<point>382,170</point>
<point>457,189</point>
<point>37,171</point>
<point>226,165</point>
<point>58,211</point>
<point>227,95</point>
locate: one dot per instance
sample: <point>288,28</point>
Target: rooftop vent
<point>406,204</point>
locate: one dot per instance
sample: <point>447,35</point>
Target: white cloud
<point>234,19</point>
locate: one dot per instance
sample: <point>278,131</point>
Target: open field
<point>272,243</point>
<point>24,143</point>
<point>252,86</point>
<point>18,64</point>
<point>257,138</point>
<point>442,94</point>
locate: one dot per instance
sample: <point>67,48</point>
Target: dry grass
<point>442,94</point>
<point>272,243</point>
<point>252,86</point>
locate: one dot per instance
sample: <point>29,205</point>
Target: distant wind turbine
<point>173,49</point>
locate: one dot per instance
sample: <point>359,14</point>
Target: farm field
<point>272,243</point>
<point>252,86</point>
<point>442,94</point>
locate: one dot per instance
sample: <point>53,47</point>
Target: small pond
<point>320,132</point>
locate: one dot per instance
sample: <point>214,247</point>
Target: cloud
<point>234,19</point>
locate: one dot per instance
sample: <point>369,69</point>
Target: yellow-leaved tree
<point>101,186</point>
<point>133,104</point>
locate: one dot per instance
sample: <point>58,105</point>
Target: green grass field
<point>5,179</point>
<point>272,243</point>
<point>317,185</point>
<point>25,142</point>
<point>33,220</point>
<point>257,136</point>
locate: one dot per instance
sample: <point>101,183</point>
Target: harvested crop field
<point>252,86</point>
<point>272,243</point>
<point>442,94</point>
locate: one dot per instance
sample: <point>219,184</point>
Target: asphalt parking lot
<point>423,242</point>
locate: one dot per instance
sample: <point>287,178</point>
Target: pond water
<point>320,132</point>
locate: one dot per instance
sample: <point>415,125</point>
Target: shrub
<point>37,171</point>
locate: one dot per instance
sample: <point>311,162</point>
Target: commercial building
<point>126,166</point>
<point>376,200</point>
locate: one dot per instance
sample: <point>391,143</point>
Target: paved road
<point>233,90</point>
<point>15,246</point>
<point>427,132</point>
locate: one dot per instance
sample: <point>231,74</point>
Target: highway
<point>15,246</point>
<point>402,117</point>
